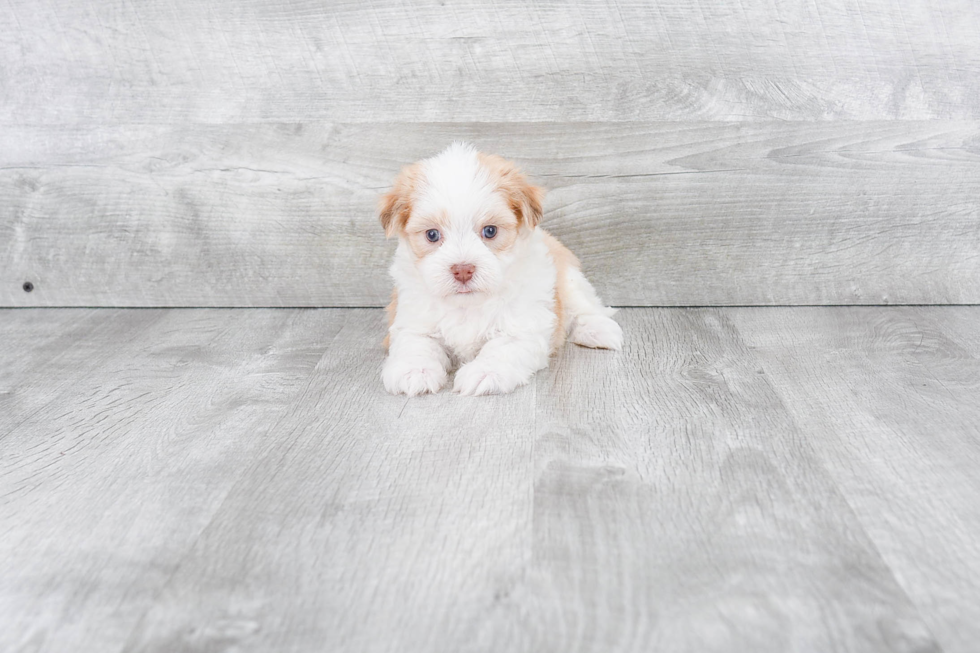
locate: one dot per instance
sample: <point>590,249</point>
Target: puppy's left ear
<point>526,199</point>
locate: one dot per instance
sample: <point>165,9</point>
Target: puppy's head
<point>461,213</point>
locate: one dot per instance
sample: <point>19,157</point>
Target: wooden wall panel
<point>688,213</point>
<point>165,61</point>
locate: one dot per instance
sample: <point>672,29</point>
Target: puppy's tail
<point>588,322</point>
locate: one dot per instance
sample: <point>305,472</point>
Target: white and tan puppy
<point>478,283</point>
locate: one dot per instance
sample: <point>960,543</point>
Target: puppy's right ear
<point>396,205</point>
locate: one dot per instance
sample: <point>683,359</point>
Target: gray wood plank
<point>475,60</point>
<point>679,507</point>
<point>888,399</point>
<point>43,353</point>
<point>735,479</point>
<point>959,324</point>
<point>659,213</point>
<point>373,523</point>
<point>29,341</point>
<point>106,484</point>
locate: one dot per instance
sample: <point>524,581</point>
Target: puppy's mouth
<point>464,288</point>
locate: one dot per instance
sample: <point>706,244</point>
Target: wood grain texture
<point>373,523</point>
<point>782,479</point>
<point>475,60</point>
<point>44,354</point>
<point>30,348</point>
<point>678,507</point>
<point>659,213</point>
<point>117,452</point>
<point>889,399</point>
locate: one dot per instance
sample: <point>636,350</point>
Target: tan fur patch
<point>395,206</point>
<point>415,228</point>
<point>390,311</point>
<point>563,259</point>
<point>507,227</point>
<point>525,199</point>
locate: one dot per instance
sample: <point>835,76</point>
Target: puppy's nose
<point>463,271</point>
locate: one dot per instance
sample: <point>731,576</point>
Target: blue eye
<point>489,232</point>
<point>432,235</point>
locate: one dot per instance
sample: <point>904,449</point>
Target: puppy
<point>478,284</point>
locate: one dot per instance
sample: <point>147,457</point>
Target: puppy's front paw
<point>413,377</point>
<point>480,378</point>
<point>597,331</point>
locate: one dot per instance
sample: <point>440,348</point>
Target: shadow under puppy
<point>478,283</point>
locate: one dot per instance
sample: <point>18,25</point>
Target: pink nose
<point>463,271</point>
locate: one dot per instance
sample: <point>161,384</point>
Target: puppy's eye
<point>432,235</point>
<point>489,231</point>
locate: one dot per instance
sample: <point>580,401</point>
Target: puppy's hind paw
<point>413,378</point>
<point>597,331</point>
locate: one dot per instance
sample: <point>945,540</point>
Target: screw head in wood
<point>28,286</point>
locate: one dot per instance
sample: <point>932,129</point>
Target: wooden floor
<point>751,479</point>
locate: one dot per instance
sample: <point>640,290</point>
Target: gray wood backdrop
<point>179,153</point>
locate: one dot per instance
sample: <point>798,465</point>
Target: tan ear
<point>395,206</point>
<point>529,199</point>
<point>525,198</point>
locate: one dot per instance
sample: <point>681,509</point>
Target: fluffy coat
<point>478,284</point>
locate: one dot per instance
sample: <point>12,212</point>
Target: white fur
<point>501,332</point>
